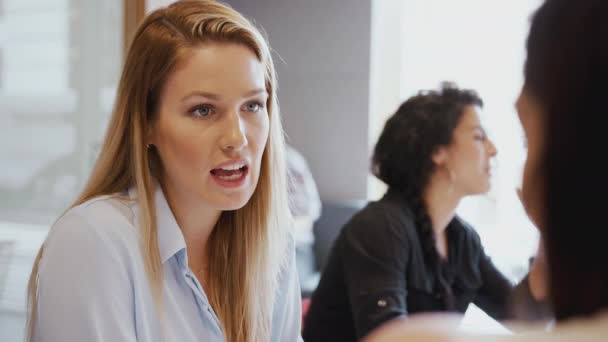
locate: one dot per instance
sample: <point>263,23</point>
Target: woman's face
<point>531,118</point>
<point>212,126</point>
<point>468,156</point>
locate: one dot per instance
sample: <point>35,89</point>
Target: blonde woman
<point>181,231</point>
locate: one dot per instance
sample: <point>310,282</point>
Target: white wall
<point>323,62</point>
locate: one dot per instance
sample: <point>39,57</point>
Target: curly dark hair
<point>403,156</point>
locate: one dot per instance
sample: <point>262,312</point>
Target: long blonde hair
<point>247,246</point>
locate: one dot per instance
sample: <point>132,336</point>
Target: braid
<point>424,227</point>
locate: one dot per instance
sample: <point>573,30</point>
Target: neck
<point>441,201</point>
<point>196,222</point>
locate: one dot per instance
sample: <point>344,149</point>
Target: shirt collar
<point>170,237</point>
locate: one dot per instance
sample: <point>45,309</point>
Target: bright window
<point>59,65</point>
<point>479,44</point>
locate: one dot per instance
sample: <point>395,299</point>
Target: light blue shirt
<point>93,286</point>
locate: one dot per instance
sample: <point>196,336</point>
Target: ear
<point>440,156</point>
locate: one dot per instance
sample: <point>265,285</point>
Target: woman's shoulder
<point>103,221</point>
<point>90,267</point>
<point>466,230</point>
<point>382,216</point>
<point>592,328</point>
<point>379,228</point>
<point>436,328</point>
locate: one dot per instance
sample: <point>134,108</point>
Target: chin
<point>234,201</point>
<point>484,184</point>
<point>485,190</point>
<point>480,189</point>
<point>232,207</point>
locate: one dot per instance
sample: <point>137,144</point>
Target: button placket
<point>202,299</point>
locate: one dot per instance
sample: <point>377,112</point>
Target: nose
<point>233,137</point>
<point>491,148</point>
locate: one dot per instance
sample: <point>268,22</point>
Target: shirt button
<point>382,303</point>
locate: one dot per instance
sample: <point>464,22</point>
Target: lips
<point>231,173</point>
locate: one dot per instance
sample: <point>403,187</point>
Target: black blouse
<point>376,272</point>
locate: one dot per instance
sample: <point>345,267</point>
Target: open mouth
<point>231,174</point>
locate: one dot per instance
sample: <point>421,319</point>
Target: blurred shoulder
<point>102,221</point>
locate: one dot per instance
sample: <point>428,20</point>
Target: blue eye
<point>200,111</point>
<point>254,107</point>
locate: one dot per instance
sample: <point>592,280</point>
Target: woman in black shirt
<point>408,252</point>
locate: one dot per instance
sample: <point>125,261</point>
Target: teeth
<point>231,177</point>
<point>235,166</point>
